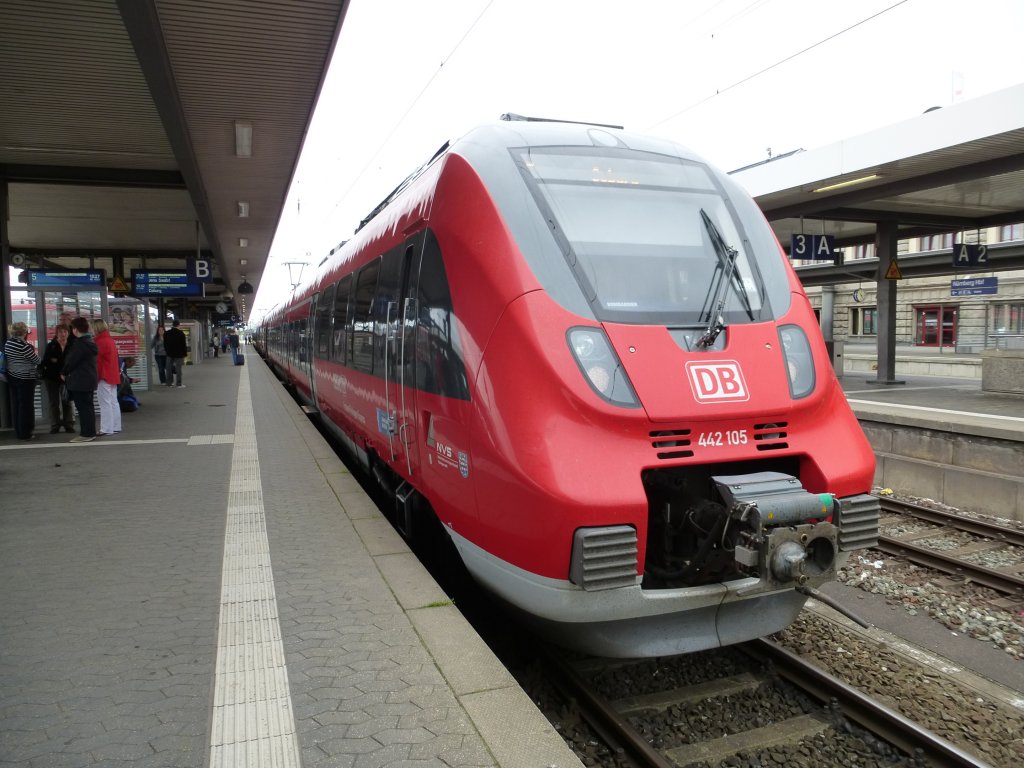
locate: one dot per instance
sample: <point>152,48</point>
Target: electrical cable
<point>412,104</point>
<point>748,78</point>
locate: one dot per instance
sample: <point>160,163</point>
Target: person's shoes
<point>30,437</point>
<point>81,439</point>
<point>103,434</point>
<point>181,386</point>
<point>69,430</point>
<point>54,430</point>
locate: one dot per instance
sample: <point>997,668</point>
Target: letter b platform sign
<point>199,270</point>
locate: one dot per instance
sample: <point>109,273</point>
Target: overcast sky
<point>731,79</point>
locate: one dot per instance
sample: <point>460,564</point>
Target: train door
<point>401,357</point>
<point>322,314</point>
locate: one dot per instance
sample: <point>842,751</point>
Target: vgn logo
<point>717,382</point>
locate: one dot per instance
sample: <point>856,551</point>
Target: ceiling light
<point>243,209</point>
<point>243,242</point>
<point>243,262</point>
<point>243,138</point>
<point>244,287</point>
<point>848,183</point>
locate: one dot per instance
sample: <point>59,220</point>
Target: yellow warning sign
<point>893,272</point>
<point>118,285</point>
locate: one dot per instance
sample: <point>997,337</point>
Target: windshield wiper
<point>725,273</point>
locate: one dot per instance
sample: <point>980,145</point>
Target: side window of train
<point>439,365</point>
<point>301,339</point>
<point>362,317</point>
<point>385,309</point>
<point>322,330</point>
<point>339,344</point>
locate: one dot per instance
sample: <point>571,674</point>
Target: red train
<point>584,351</point>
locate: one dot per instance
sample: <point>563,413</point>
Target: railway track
<point>964,537</point>
<point>742,709</point>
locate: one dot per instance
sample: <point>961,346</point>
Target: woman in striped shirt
<point>22,362</point>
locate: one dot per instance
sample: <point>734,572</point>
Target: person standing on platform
<point>233,342</point>
<point>108,369</point>
<point>160,354</point>
<point>176,346</point>
<point>81,378</point>
<point>22,363</point>
<point>61,412</point>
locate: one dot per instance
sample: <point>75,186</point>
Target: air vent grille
<point>671,443</point>
<point>771,436</point>
<point>858,522</point>
<point>604,558</point>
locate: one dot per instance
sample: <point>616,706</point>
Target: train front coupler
<point>786,538</point>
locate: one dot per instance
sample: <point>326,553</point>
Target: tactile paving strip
<point>253,722</point>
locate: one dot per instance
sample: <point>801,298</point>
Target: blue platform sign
<point>199,270</point>
<point>167,282</point>
<point>813,247</point>
<point>83,279</point>
<point>975,286</point>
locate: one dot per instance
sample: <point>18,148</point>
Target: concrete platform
<point>945,439</point>
<point>211,587</point>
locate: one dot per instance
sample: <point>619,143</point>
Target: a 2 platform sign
<point>970,256</point>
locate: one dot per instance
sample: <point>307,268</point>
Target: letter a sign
<point>720,381</point>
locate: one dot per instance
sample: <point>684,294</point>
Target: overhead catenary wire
<point>778,63</point>
<point>412,104</point>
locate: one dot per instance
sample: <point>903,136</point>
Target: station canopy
<point>169,128</point>
<point>957,169</point>
<point>157,128</point>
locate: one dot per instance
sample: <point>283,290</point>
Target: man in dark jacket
<point>81,378</point>
<point>176,347</point>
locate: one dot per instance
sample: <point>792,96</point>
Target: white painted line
<point>114,441</point>
<point>938,410</point>
<point>253,722</point>
<point>110,441</point>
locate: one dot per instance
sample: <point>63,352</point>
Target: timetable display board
<point>166,282</point>
<point>82,279</point>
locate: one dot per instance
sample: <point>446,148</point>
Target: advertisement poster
<point>126,324</point>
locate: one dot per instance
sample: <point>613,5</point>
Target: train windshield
<point>632,227</point>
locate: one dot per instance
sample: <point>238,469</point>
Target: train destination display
<point>164,283</point>
<point>44,279</point>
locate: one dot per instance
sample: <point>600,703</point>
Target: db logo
<point>717,382</point>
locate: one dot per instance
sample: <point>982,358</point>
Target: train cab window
<point>439,365</point>
<point>324,308</point>
<point>339,342</point>
<point>633,228</point>
<point>362,317</point>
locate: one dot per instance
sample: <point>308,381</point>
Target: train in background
<point>583,351</point>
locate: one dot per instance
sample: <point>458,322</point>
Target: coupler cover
<point>787,538</point>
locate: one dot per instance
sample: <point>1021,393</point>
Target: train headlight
<point>601,368</point>
<point>796,351</point>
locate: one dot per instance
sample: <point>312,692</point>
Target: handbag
<point>3,366</point>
